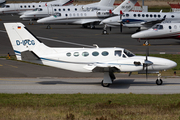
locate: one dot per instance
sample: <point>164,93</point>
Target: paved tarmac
<point>21,77</point>
<point>87,86</point>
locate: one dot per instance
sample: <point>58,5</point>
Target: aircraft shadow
<point>117,84</point>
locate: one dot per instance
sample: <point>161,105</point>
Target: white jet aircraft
<point>140,20</point>
<point>86,18</point>
<point>47,11</point>
<point>2,2</point>
<point>20,8</point>
<point>107,60</point>
<point>159,31</point>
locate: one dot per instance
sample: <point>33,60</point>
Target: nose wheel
<point>159,80</point>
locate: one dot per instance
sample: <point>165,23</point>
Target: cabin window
<point>74,14</point>
<point>76,54</point>
<point>39,9</point>
<point>105,53</point>
<point>63,9</point>
<point>84,14</point>
<point>25,6</point>
<point>139,15</point>
<point>154,15</point>
<point>20,6</point>
<point>128,53</point>
<point>151,15</point>
<point>170,27</point>
<point>7,6</point>
<point>81,14</point>
<point>59,9</point>
<point>33,6</point>
<point>127,15</point>
<point>159,16</point>
<point>54,9</point>
<point>172,16</point>
<point>75,9</point>
<point>77,14</point>
<point>143,15</point>
<point>134,15</point>
<point>58,14</point>
<point>66,15</point>
<point>147,15</point>
<point>118,53</point>
<point>70,14</point>
<point>29,6</point>
<point>85,54</point>
<point>175,27</point>
<point>68,9</point>
<point>68,54</point>
<point>95,53</point>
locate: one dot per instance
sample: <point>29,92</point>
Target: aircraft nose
<point>137,35</point>
<point>41,21</point>
<point>171,64</point>
<point>104,21</point>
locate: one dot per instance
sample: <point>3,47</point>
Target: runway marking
<point>12,66</point>
<point>1,65</point>
<point>61,41</point>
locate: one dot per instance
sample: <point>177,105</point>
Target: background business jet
<point>20,8</point>
<point>2,2</point>
<point>50,10</point>
<point>159,31</point>
<point>140,20</point>
<point>107,60</point>
<point>86,18</point>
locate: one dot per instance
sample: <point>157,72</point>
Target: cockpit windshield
<point>158,27</point>
<point>35,9</point>
<point>5,6</point>
<point>128,53</point>
<point>57,15</point>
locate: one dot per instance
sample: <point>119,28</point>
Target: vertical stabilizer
<point>23,40</point>
<point>108,3</point>
<point>126,6</point>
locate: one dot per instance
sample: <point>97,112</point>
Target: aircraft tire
<point>105,84</point>
<point>104,32</point>
<point>159,82</point>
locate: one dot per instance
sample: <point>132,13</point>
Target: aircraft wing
<point>86,21</point>
<point>154,22</point>
<point>101,67</point>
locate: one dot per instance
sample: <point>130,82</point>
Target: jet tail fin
<point>106,3</point>
<point>126,6</point>
<point>23,40</point>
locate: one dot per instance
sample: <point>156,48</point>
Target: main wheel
<point>159,82</point>
<point>104,32</point>
<point>105,84</point>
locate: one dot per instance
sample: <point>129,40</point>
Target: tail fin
<point>108,3</point>
<point>22,40</point>
<point>126,6</point>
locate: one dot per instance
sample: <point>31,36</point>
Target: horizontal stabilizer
<point>29,55</point>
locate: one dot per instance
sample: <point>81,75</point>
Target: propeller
<point>147,62</point>
<point>121,22</point>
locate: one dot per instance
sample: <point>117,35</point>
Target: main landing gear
<point>108,79</point>
<point>48,27</point>
<point>104,32</point>
<point>159,80</point>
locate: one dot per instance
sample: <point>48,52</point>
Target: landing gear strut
<point>104,30</point>
<point>108,79</point>
<point>31,22</point>
<point>159,80</point>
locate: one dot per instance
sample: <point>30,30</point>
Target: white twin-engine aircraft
<point>20,8</point>
<point>140,20</point>
<point>107,60</point>
<point>50,10</point>
<point>86,18</point>
<point>159,31</point>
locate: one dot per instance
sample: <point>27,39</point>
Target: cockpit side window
<point>118,53</point>
<point>128,53</point>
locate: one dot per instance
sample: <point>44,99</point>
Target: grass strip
<point>89,106</point>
